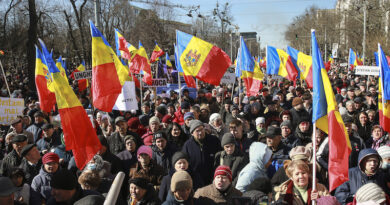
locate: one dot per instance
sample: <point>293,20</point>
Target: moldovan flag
<point>353,59</point>
<point>157,52</point>
<point>280,63</point>
<point>328,119</point>
<point>190,81</point>
<point>43,82</point>
<point>141,58</point>
<point>303,63</point>
<point>168,61</point>
<point>384,91</point>
<point>83,83</point>
<point>80,136</point>
<point>59,65</point>
<point>108,72</point>
<point>201,59</point>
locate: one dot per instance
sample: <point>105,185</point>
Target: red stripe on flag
<point>256,87</point>
<point>309,78</point>
<point>291,70</point>
<point>338,153</point>
<point>190,81</point>
<point>106,86</point>
<point>47,99</point>
<point>214,66</point>
<point>384,120</point>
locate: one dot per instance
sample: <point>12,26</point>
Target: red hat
<point>133,123</point>
<point>50,157</point>
<point>223,170</point>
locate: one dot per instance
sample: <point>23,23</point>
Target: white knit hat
<point>260,120</point>
<point>384,151</point>
<point>215,116</point>
<point>370,192</point>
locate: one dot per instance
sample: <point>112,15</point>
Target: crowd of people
<point>221,147</point>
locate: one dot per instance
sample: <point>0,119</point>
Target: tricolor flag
<point>303,63</point>
<point>384,91</point>
<point>329,63</point>
<point>248,70</point>
<point>43,82</point>
<point>121,45</point>
<point>108,72</point>
<point>280,63</point>
<point>60,67</point>
<point>80,136</point>
<point>83,83</point>
<point>353,59</point>
<point>190,81</point>
<point>328,119</point>
<point>201,59</point>
<point>157,52</point>
<point>168,61</point>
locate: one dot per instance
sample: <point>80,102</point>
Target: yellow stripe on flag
<point>194,55</point>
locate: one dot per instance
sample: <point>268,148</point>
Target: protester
<point>141,192</point>
<point>14,158</point>
<point>7,190</point>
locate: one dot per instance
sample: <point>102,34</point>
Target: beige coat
<point>285,190</point>
<point>210,195</point>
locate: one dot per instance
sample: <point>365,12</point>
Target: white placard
<point>228,78</point>
<point>366,70</point>
<point>10,108</point>
<point>83,75</point>
<point>343,64</point>
<point>127,100</point>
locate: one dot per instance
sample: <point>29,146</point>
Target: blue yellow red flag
<point>280,63</point>
<point>157,52</point>
<point>303,63</point>
<point>43,82</point>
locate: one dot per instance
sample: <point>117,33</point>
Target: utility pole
<point>97,14</point>
<point>364,30</point>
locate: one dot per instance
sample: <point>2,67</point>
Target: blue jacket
<point>259,155</point>
<point>40,187</point>
<point>357,178</point>
<point>202,156</point>
<point>172,201</point>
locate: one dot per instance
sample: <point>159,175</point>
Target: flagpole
<point>314,158</point>
<point>178,80</point>
<point>140,86</point>
<point>239,80</point>
<point>5,79</point>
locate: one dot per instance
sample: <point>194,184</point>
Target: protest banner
<point>229,77</point>
<point>83,75</point>
<point>158,82</point>
<point>367,70</point>
<point>10,108</point>
<point>175,87</point>
<point>127,100</point>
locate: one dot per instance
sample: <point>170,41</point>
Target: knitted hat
<point>19,138</point>
<point>178,156</point>
<point>296,101</point>
<point>159,134</point>
<point>286,123</point>
<point>233,107</point>
<point>370,192</point>
<point>50,157</point>
<point>189,115</point>
<point>260,120</point>
<point>195,124</point>
<point>384,151</point>
<point>299,153</point>
<point>140,182</point>
<point>181,180</point>
<point>215,116</point>
<point>26,149</point>
<point>154,119</point>
<point>223,170</point>
<point>133,123</point>
<point>145,150</point>
<point>64,179</point>
<point>228,138</point>
<point>327,200</point>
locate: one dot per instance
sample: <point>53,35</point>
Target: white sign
<point>10,108</point>
<point>228,78</point>
<point>159,82</point>
<point>367,70</point>
<point>83,75</point>
<point>127,100</point>
<point>343,64</point>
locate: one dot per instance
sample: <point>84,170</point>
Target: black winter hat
<point>177,156</point>
<point>162,109</point>
<point>140,182</point>
<point>64,179</point>
<point>228,138</point>
<point>26,149</point>
<point>19,138</point>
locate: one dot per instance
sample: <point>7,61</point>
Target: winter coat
<point>30,171</point>
<point>11,160</point>
<point>297,115</point>
<point>179,117</point>
<point>186,129</point>
<point>165,187</point>
<point>259,155</point>
<point>154,173</point>
<point>47,144</point>
<point>381,142</point>
<point>278,157</point>
<point>116,143</point>
<point>244,144</point>
<point>116,164</point>
<point>63,154</point>
<point>285,194</point>
<point>219,132</point>
<point>79,194</point>
<point>302,138</point>
<point>128,159</point>
<point>202,155</point>
<point>290,141</point>
<point>40,187</point>
<point>364,131</point>
<point>164,158</point>
<point>150,198</point>
<point>235,161</point>
<point>357,178</point>
<point>36,130</point>
<point>172,201</point>
<point>211,195</point>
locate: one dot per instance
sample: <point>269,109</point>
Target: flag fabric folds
<point>328,119</point>
<point>60,66</point>
<point>280,63</point>
<point>121,45</point>
<point>168,61</point>
<point>201,59</point>
<point>43,82</point>
<point>190,81</point>
<point>80,136</point>
<point>353,59</point>
<point>83,83</point>
<point>142,60</point>
<point>384,89</point>
<point>108,72</point>
<point>302,62</point>
<point>157,52</point>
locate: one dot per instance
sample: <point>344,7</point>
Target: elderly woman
<point>377,138</point>
<point>298,190</point>
<point>141,192</point>
<point>217,127</point>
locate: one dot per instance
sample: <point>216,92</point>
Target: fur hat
<point>181,180</point>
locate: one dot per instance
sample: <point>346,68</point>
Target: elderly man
<point>17,128</point>
<point>201,149</point>
<point>31,162</point>
<point>115,141</point>
<point>14,158</point>
<point>154,126</point>
<point>279,150</point>
<point>35,128</point>
<point>51,138</point>
<point>221,190</point>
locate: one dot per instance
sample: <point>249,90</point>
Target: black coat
<point>172,201</point>
<point>116,164</point>
<point>116,143</point>
<point>9,161</point>
<point>297,115</point>
<point>150,197</point>
<point>202,156</point>
<point>235,161</point>
<point>30,170</point>
<point>164,158</point>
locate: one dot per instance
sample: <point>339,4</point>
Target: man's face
<point>181,165</point>
<point>51,167</point>
<point>33,155</point>
<point>219,99</point>
<point>286,117</point>
<point>236,131</point>
<point>48,132</point>
<point>18,146</point>
<point>154,126</point>
<point>121,127</point>
<point>187,121</point>
<point>221,182</point>
<point>273,141</point>
<point>18,127</point>
<point>351,94</point>
<point>373,91</point>
<point>304,126</point>
<point>61,195</point>
<point>351,107</point>
<point>157,114</point>
<point>145,109</point>
<point>217,122</point>
<point>171,110</point>
<point>371,164</point>
<point>161,143</point>
<point>144,159</point>
<point>363,119</point>
<point>199,133</point>
<point>38,119</point>
<point>343,92</point>
<point>130,145</point>
<point>227,107</point>
<point>229,148</point>
<point>285,131</point>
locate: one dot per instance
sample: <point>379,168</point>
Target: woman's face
<point>300,178</point>
<point>130,145</point>
<point>137,192</point>
<point>181,165</point>
<point>175,131</point>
